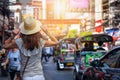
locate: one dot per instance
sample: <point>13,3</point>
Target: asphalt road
<point>51,73</point>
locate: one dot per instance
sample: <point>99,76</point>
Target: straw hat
<point>30,26</point>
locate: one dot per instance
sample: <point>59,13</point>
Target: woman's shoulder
<point>18,41</point>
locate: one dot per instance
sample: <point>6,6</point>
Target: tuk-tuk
<point>65,53</point>
<point>84,57</point>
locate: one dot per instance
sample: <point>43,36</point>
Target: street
<point>51,73</point>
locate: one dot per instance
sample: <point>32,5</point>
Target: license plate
<point>69,64</point>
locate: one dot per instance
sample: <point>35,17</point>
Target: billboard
<point>114,32</point>
<point>79,3</point>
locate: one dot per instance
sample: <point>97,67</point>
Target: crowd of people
<point>47,52</point>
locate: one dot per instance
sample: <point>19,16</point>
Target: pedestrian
<point>44,55</point>
<point>49,51</point>
<point>30,43</point>
<point>14,62</point>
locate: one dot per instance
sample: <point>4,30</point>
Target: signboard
<point>98,26</point>
<point>79,3</point>
<point>114,32</point>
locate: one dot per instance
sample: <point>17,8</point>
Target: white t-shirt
<point>34,66</point>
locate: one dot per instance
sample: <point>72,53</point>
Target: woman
<point>13,60</point>
<point>30,43</point>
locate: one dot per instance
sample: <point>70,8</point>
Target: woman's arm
<point>53,41</point>
<point>10,44</point>
<point>6,62</point>
<point>44,37</point>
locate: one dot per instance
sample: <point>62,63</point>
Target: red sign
<point>98,26</point>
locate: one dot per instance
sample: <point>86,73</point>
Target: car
<point>83,57</point>
<point>106,68</point>
<point>65,55</point>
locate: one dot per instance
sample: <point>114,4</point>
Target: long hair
<point>31,41</point>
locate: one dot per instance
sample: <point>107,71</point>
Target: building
<point>4,13</point>
<point>111,13</point>
<point>15,16</point>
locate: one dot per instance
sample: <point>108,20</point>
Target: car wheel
<point>58,66</point>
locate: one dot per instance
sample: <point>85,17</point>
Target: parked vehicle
<point>65,56</point>
<point>84,57</point>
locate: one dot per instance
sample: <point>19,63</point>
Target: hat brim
<point>29,32</point>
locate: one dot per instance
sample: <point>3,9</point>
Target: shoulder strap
<point>28,57</point>
<point>25,65</point>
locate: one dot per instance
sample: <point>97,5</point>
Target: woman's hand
<point>15,32</point>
